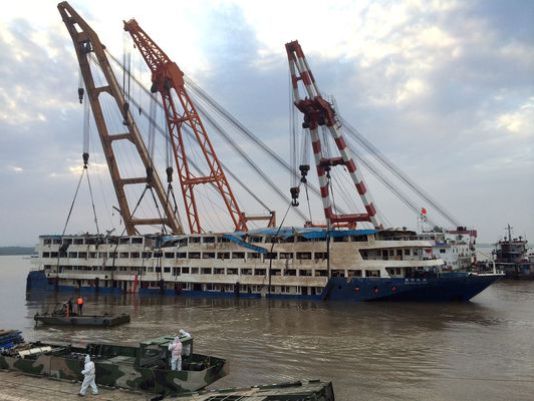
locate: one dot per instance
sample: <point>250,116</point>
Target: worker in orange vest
<point>79,302</point>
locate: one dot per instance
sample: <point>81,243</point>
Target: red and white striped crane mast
<point>166,79</point>
<point>318,112</point>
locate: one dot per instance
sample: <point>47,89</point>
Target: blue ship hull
<point>446,287</point>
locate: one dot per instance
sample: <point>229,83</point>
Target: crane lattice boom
<point>167,77</point>
<point>318,112</point>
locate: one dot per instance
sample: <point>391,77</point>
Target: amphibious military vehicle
<point>304,390</point>
<point>144,367</point>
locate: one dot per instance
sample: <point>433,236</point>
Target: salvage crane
<point>88,45</point>
<point>319,112</point>
<point>168,79</point>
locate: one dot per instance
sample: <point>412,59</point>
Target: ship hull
<point>447,287</point>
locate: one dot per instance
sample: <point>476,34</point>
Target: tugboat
<point>511,256</point>
<point>143,367</point>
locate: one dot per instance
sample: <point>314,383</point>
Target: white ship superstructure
<point>294,262</point>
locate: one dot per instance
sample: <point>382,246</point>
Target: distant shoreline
<point>16,250</point>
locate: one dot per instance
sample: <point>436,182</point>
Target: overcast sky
<point>445,89</point>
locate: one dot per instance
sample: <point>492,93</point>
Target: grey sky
<point>444,89</point>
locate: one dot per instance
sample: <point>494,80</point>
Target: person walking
<point>89,375</point>
<point>79,302</point>
<point>176,354</point>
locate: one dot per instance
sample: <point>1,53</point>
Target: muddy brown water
<point>481,350</point>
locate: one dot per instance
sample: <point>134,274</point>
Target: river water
<point>481,350</point>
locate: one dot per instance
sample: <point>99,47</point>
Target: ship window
<point>304,255</point>
<point>442,251</point>
<point>124,240</point>
<point>208,255</point>
<point>47,241</point>
<point>321,255</point>
<point>175,271</point>
<point>286,255</point>
<point>46,254</point>
<point>321,273</point>
<point>238,255</point>
<point>259,272</point>
<point>57,241</point>
<point>53,254</point>
<point>305,273</point>
<point>290,272</point>
<point>407,251</point>
<point>399,252</point>
<point>150,269</point>
<point>256,240</point>
<point>218,270</point>
<point>113,254</point>
<point>82,255</point>
<point>359,238</point>
<point>182,242</point>
<point>194,240</point>
<point>166,270</point>
<point>341,239</point>
<point>73,254</point>
<point>137,240</point>
<point>123,255</point>
<point>372,273</point>
<point>271,255</point>
<point>223,255</point>
<point>246,272</point>
<point>78,241</point>
<point>354,273</point>
<point>181,255</point>
<point>147,255</point>
<point>276,272</point>
<point>185,270</point>
<point>92,255</point>
<point>194,270</point>
<point>158,269</point>
<point>253,255</point>
<point>169,255</point>
<point>223,240</point>
<point>194,255</point>
<point>205,270</point>
<point>134,255</point>
<point>231,271</point>
<point>208,240</point>
<point>66,241</point>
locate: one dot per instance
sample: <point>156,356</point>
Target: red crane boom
<point>167,78</point>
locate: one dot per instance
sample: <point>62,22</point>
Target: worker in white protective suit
<point>187,347</point>
<point>176,354</point>
<point>89,377</point>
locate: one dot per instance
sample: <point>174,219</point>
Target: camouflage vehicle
<point>144,367</point>
<point>304,390</point>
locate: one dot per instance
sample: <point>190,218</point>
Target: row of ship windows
<point>193,240</point>
<point>280,289</point>
<point>188,255</point>
<point>366,254</point>
<point>177,271</point>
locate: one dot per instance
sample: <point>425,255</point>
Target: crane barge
<point>334,260</point>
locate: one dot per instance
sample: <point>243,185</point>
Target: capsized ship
<point>144,367</point>
<point>335,260</point>
<point>364,265</point>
